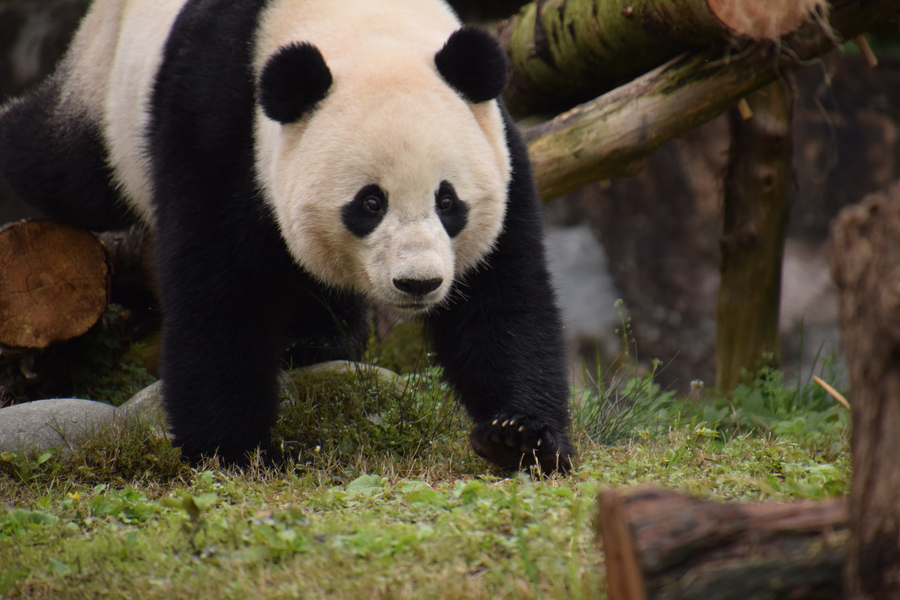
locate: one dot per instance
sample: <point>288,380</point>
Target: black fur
<point>229,285</point>
<point>293,81</point>
<point>500,339</point>
<point>454,217</point>
<point>233,299</point>
<point>58,163</point>
<point>360,215</point>
<point>474,64</point>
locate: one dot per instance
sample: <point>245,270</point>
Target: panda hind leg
<point>324,325</point>
<point>56,160</point>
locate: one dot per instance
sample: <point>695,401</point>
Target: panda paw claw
<point>513,442</point>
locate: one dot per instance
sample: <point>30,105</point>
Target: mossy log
<point>561,50</point>
<point>664,545</point>
<point>613,135</point>
<point>757,204</point>
<point>865,260</point>
<point>54,283</point>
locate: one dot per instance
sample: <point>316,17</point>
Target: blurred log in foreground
<point>662,544</point>
<point>865,262</point>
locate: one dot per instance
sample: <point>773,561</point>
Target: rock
<point>384,376</point>
<point>58,423</point>
<point>146,406</point>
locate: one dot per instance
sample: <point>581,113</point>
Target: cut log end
<point>764,19</point>
<point>54,283</point>
<point>665,544</point>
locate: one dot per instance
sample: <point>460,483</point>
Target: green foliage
<point>620,402</point>
<point>338,415</point>
<point>111,455</point>
<point>803,413</point>
<point>384,499</point>
<point>404,350</point>
<point>618,408</point>
<point>90,366</point>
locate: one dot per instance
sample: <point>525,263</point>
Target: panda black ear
<point>294,79</point>
<point>473,63</point>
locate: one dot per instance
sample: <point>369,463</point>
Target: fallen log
<point>865,260</point>
<point>615,134</point>
<point>54,283</point>
<point>661,544</point>
<point>563,50</point>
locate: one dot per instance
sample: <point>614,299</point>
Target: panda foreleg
<point>499,339</point>
<point>223,311</point>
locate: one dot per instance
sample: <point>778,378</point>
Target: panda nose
<point>418,287</point>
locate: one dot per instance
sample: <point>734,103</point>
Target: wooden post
<point>757,203</point>
<point>866,267</point>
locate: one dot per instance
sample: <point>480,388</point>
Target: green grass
<point>390,502</point>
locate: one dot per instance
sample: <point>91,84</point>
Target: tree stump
<point>866,267</point>
<point>54,283</point>
<point>664,545</point>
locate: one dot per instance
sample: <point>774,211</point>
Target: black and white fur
<point>296,159</point>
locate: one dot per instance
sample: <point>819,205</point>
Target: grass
<point>388,501</point>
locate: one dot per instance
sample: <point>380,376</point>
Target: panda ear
<point>473,63</point>
<point>294,79</point>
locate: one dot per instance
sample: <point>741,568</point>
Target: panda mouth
<point>415,305</point>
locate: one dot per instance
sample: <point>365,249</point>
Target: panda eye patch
<point>452,211</point>
<point>364,213</point>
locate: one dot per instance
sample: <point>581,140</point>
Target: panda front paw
<point>515,441</point>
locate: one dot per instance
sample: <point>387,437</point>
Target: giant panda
<point>296,160</point>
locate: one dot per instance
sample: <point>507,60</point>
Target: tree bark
<point>54,283</point>
<point>565,50</point>
<point>866,268</point>
<point>613,135</point>
<point>757,204</point>
<point>661,544</point>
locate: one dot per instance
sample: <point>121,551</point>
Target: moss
<point>331,414</point>
<point>404,350</point>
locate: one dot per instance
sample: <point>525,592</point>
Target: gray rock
<point>146,406</point>
<point>384,376</point>
<point>58,423</point>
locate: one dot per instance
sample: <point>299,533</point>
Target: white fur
<point>109,73</point>
<point>389,119</point>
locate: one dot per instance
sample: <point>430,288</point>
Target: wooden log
<point>757,204</point>
<point>661,544</point>
<point>54,283</point>
<point>561,51</point>
<point>615,134</point>
<point>131,253</point>
<point>865,260</point>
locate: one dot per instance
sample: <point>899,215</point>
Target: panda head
<point>387,171</point>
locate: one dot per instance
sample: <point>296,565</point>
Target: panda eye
<point>373,203</point>
<point>445,203</point>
